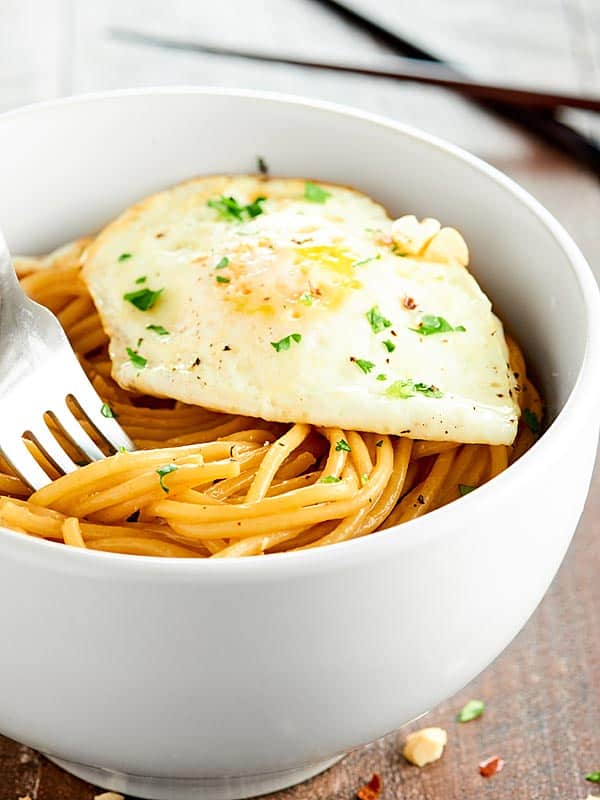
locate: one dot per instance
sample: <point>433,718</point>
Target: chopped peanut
<point>447,246</point>
<point>411,236</point>
<point>109,796</point>
<point>424,746</point>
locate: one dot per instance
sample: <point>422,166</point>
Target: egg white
<point>267,315</point>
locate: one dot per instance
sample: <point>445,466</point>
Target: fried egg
<point>302,302</point>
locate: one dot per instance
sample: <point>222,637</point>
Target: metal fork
<point>39,373</point>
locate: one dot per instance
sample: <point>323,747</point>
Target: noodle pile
<point>205,484</point>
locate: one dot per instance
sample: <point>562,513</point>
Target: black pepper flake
<point>226,348</point>
<point>134,517</point>
<point>421,500</point>
<point>516,375</point>
<point>406,431</point>
<point>196,363</point>
<point>393,333</point>
<point>499,395</point>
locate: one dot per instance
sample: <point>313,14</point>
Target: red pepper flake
<point>491,766</point>
<point>371,790</point>
<point>409,303</point>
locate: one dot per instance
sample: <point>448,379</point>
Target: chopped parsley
<point>224,262</point>
<point>381,377</point>
<point>463,489</point>
<point>255,208</point>
<point>314,193</point>
<point>431,324</point>
<point>330,479</point>
<point>143,299</point>
<point>531,419</point>
<point>229,208</point>
<point>593,777</point>
<point>141,279</point>
<point>107,411</point>
<point>367,260</point>
<point>222,279</point>
<point>361,363</point>
<point>124,257</point>
<point>285,343</point>
<point>364,478</point>
<point>158,329</point>
<point>343,445</point>
<point>306,298</point>
<point>396,251</point>
<point>162,471</point>
<point>262,165</point>
<point>376,320</point>
<point>136,359</point>
<point>402,390</point>
<point>389,345</point>
<point>471,710</point>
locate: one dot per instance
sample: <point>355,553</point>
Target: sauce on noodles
<point>206,484</point>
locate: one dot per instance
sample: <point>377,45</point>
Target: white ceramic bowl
<point>173,679</point>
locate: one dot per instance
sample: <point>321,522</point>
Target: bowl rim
<point>417,532</point>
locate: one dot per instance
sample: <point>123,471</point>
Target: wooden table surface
<point>543,693</point>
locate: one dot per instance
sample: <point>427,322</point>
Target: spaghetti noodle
<point>209,485</point>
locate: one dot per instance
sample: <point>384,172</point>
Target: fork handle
<point>16,317</point>
<point>8,278</point>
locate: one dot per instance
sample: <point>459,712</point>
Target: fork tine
<point>90,403</point>
<point>52,449</point>
<point>16,454</point>
<point>69,423</point>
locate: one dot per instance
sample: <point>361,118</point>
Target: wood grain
<point>543,693</point>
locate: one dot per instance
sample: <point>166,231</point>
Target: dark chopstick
<point>387,67</point>
<point>495,98</point>
<point>540,122</point>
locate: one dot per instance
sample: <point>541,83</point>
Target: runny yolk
<point>332,258</point>
<point>324,272</point>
